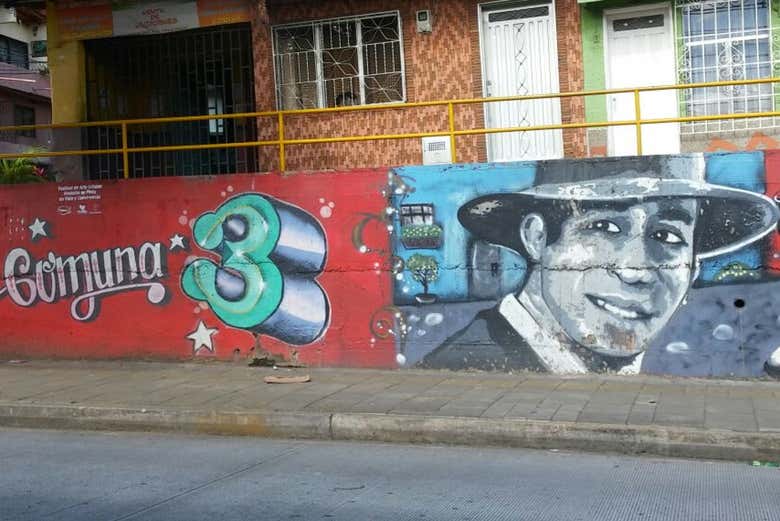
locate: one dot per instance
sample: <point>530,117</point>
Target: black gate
<point>188,73</point>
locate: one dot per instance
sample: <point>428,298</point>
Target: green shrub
<point>421,231</point>
<point>21,170</point>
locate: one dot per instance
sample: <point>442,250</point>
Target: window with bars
<point>416,214</point>
<point>722,41</point>
<point>24,116</point>
<point>14,52</point>
<point>338,62</point>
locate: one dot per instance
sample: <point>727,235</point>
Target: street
<point>48,475</point>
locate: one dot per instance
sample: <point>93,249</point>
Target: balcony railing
<point>282,144</point>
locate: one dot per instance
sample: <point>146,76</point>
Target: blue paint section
<point>740,266</point>
<point>446,188</point>
<point>743,170</point>
<point>588,265</point>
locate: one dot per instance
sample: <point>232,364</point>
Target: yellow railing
<point>281,142</point>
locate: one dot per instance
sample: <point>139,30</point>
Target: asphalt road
<point>85,476</point>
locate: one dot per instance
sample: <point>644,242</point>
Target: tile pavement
<point>731,405</point>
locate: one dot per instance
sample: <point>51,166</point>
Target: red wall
<point>148,314</point>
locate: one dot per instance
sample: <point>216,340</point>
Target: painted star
<point>201,338</point>
<point>38,229</point>
<point>177,241</point>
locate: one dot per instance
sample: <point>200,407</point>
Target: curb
<point>397,428</point>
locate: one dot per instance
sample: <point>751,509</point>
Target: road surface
<point>73,476</point>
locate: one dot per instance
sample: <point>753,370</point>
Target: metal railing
<point>282,143</point>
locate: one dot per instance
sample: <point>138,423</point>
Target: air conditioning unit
<point>436,150</point>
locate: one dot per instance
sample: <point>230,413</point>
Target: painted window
<point>722,41</point>
<point>416,214</point>
<point>14,52</point>
<point>24,116</point>
<point>339,62</point>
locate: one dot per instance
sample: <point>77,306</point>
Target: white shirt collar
<point>554,354</point>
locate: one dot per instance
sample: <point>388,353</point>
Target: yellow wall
<point>66,66</point>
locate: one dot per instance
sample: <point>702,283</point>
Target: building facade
<point>196,58</point>
<point>635,44</point>
<point>25,93</point>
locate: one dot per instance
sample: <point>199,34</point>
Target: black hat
<point>729,218</point>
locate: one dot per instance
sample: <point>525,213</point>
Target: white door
<point>520,56</point>
<point>640,53</point>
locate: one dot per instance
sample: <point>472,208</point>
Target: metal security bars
<point>188,73</point>
<point>723,41</point>
<point>14,52</point>
<point>339,62</point>
<point>269,119</point>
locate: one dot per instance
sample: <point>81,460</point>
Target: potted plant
<point>421,236</point>
<point>425,270</point>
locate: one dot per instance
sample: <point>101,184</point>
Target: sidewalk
<point>716,419</point>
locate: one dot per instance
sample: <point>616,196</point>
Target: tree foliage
<point>424,269</point>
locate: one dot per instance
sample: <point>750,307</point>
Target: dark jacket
<point>489,342</point>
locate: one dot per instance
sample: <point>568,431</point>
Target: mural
<point>655,264</point>
<point>271,253</point>
<point>200,267</point>
<point>589,266</point>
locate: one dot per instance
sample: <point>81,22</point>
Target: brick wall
<point>439,66</point>
<point>571,74</point>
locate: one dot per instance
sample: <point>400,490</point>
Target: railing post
<point>125,158</point>
<point>638,115</point>
<point>451,115</point>
<point>282,162</point>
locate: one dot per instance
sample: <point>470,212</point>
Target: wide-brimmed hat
<point>728,218</point>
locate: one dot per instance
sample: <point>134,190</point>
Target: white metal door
<point>640,53</point>
<point>520,56</point>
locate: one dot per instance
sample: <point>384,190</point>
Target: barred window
<point>24,116</point>
<point>722,41</point>
<point>339,62</point>
<point>14,52</point>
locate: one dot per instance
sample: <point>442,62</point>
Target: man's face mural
<point>616,274</point>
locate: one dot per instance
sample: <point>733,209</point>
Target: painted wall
<point>66,66</point>
<point>661,264</point>
<point>98,270</point>
<point>592,21</point>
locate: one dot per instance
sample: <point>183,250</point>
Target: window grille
<point>337,62</point>
<point>182,73</point>
<point>24,116</point>
<point>14,52</point>
<point>722,41</point>
<point>416,214</point>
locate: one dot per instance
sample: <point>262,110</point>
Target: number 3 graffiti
<point>271,254</point>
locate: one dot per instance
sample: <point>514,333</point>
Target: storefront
<point>164,59</point>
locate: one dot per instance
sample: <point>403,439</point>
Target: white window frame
<point>687,42</point>
<point>316,26</point>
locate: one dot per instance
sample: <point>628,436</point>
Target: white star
<point>177,241</point>
<point>37,228</point>
<point>201,338</point>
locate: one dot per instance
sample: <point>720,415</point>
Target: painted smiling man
<point>612,249</point>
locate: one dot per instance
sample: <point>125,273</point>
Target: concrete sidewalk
<point>717,419</point>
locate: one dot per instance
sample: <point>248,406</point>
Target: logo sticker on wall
<point>271,255</point>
